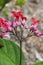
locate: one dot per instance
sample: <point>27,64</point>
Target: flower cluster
<point>19,19</point>
<point>34,27</point>
<point>7,26</point>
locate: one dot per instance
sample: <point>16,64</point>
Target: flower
<point>20,14</point>
<point>17,15</point>
<point>5,24</point>
<point>38,33</point>
<point>8,26</point>
<point>14,24</point>
<point>24,18</point>
<point>33,27</point>
<point>34,21</point>
<point>24,23</point>
<point>18,23</point>
<point>14,13</point>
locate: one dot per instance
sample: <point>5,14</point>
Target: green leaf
<point>38,63</point>
<point>20,2</point>
<point>10,53</point>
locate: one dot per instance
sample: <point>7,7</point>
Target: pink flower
<point>38,33</point>
<point>24,23</point>
<point>18,23</point>
<point>9,23</point>
<point>33,27</point>
<point>14,24</point>
<point>9,28</point>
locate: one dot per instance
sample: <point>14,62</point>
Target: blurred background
<point>33,47</point>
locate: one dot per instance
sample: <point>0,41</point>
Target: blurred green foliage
<point>20,2</point>
<point>5,12</point>
<point>2,3</point>
<point>10,53</point>
<point>38,63</point>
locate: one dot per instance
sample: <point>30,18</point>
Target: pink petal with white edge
<point>37,31</point>
<point>33,27</point>
<point>9,28</point>
<point>23,22</point>
<point>14,24</point>
<point>18,23</point>
<point>9,23</point>
<point>39,34</point>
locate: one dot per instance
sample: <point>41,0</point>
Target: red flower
<point>24,18</point>
<point>19,14</point>
<point>34,21</point>
<point>1,21</point>
<point>14,13</point>
<point>4,25</point>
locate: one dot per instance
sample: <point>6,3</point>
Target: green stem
<point>20,52</point>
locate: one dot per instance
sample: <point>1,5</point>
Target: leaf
<point>10,53</point>
<point>20,2</point>
<point>39,63</point>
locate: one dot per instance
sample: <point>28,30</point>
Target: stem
<point>20,41</point>
<point>21,45</point>
<point>20,52</point>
